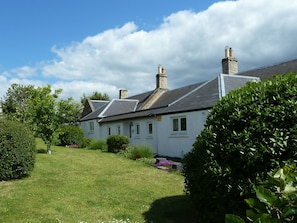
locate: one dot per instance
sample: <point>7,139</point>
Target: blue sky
<point>31,27</point>
<point>83,46</point>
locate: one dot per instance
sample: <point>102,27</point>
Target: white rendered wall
<point>177,144</point>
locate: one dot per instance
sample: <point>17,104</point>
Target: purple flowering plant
<point>165,163</point>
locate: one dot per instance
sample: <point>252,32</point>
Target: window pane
<point>183,124</point>
<point>91,126</point>
<point>137,129</point>
<point>150,128</point>
<point>175,124</point>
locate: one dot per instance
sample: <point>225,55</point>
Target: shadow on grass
<point>175,209</point>
<point>41,151</point>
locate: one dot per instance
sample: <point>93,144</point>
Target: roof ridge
<point>268,66</point>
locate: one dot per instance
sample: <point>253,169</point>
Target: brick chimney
<point>123,93</point>
<point>229,63</point>
<point>161,78</point>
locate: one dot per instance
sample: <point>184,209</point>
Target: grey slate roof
<point>267,72</point>
<point>141,97</point>
<point>194,97</point>
<point>91,106</point>
<point>231,82</point>
<point>116,106</point>
<point>199,96</point>
<point>98,103</point>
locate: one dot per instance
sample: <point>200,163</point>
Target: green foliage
<point>69,135</point>
<point>116,143</point>
<point>95,96</point>
<point>43,111</point>
<point>86,142</point>
<point>230,218</point>
<point>137,152</point>
<point>15,104</point>
<point>17,150</point>
<point>276,198</point>
<point>98,144</point>
<point>68,111</point>
<point>249,132</point>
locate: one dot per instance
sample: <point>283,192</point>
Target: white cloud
<point>190,45</point>
<point>87,88</point>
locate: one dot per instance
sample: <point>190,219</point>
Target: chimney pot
<point>229,63</point>
<point>161,78</point>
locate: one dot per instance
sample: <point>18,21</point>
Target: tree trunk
<point>49,151</point>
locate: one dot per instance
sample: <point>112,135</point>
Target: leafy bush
<point>86,142</point>
<point>138,151</point>
<point>98,144</point>
<point>69,135</point>
<point>116,143</point>
<point>248,133</point>
<point>17,150</point>
<point>276,198</point>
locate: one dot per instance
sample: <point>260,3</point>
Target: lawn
<point>79,185</point>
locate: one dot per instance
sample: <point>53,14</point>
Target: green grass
<point>78,185</point>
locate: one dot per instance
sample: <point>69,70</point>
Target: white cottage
<point>170,120</point>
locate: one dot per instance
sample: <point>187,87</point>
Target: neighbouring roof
<point>92,105</point>
<point>114,107</point>
<point>98,104</point>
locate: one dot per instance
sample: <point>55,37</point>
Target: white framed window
<point>179,124</point>
<point>119,130</point>
<point>109,130</point>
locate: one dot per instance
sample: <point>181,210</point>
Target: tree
<point>69,111</point>
<point>95,96</point>
<point>44,113</point>
<point>15,103</point>
<point>41,108</point>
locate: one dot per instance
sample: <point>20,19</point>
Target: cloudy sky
<point>84,46</point>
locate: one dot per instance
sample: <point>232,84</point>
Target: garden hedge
<point>17,150</point>
<point>248,133</point>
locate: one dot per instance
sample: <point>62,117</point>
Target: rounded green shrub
<point>17,150</point>
<point>69,135</point>
<point>116,143</point>
<point>98,144</point>
<point>86,142</point>
<point>248,133</point>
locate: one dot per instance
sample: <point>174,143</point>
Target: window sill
<point>179,135</point>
